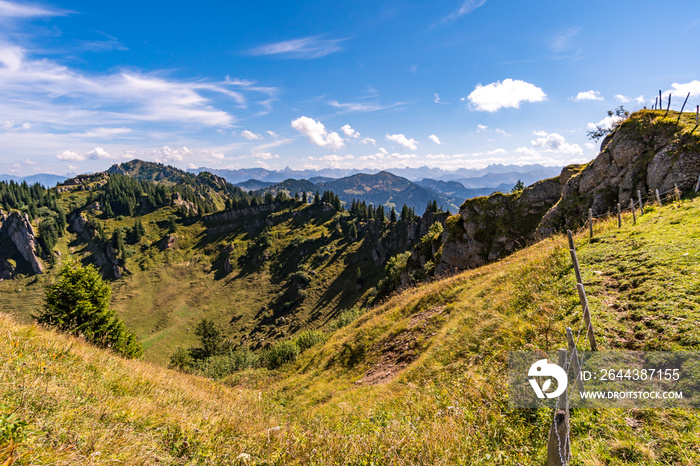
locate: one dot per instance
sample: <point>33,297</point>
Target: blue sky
<point>352,84</point>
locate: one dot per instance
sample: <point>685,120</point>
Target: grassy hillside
<point>419,379</point>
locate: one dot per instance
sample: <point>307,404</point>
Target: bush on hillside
<point>78,304</point>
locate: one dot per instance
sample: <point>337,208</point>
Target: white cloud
<point>70,156</point>
<point>509,93</point>
<point>349,132</point>
<point>29,162</point>
<point>681,90</point>
<point>434,138</point>
<point>588,95</point>
<point>273,134</point>
<point>265,155</point>
<point>251,136</point>
<point>403,140</point>
<point>640,99</point>
<point>316,132</point>
<point>303,48</point>
<point>554,142</point>
<point>529,151</point>
<point>484,128</point>
<point>622,98</point>
<point>539,133</point>
<point>165,154</point>
<point>606,123</point>
<point>369,141</point>
<point>99,153</point>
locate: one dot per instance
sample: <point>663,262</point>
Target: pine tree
<point>304,198</point>
<point>380,213</point>
<point>79,304</point>
<point>405,213</point>
<point>392,216</point>
<point>352,233</point>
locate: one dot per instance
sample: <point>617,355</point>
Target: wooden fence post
<point>641,204</point>
<point>668,108</point>
<point>590,218</point>
<point>634,215</point>
<point>697,114</point>
<point>574,259</point>
<point>660,100</point>
<point>684,102</point>
<point>586,316</point>
<point>575,362</point>
<point>559,443</point>
<point>697,185</point>
<point>619,216</point>
<point>658,197</point>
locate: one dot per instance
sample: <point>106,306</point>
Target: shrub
<point>309,338</point>
<point>280,353</point>
<point>348,316</point>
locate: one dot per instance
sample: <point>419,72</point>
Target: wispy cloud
<point>467,7</point>
<point>361,107</point>
<point>563,40</point>
<point>303,48</point>
<point>17,10</point>
<point>43,91</point>
<point>436,99</point>
<point>107,44</point>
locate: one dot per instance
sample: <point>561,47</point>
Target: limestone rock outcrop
<point>18,231</point>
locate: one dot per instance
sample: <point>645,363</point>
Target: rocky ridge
<point>646,152</point>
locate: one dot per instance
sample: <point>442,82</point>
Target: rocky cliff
<point>646,152</point>
<point>19,241</point>
<point>103,253</point>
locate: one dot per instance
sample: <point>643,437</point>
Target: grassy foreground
<point>419,379</point>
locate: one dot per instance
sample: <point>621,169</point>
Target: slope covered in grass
<point>420,379</point>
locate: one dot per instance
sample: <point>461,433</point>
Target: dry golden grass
<point>448,406</point>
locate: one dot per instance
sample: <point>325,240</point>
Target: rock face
<point>645,153</point>
<point>17,230</point>
<point>487,228</point>
<point>104,254</point>
<point>179,201</point>
<point>387,241</point>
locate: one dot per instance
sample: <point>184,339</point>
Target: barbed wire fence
<point>559,441</point>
